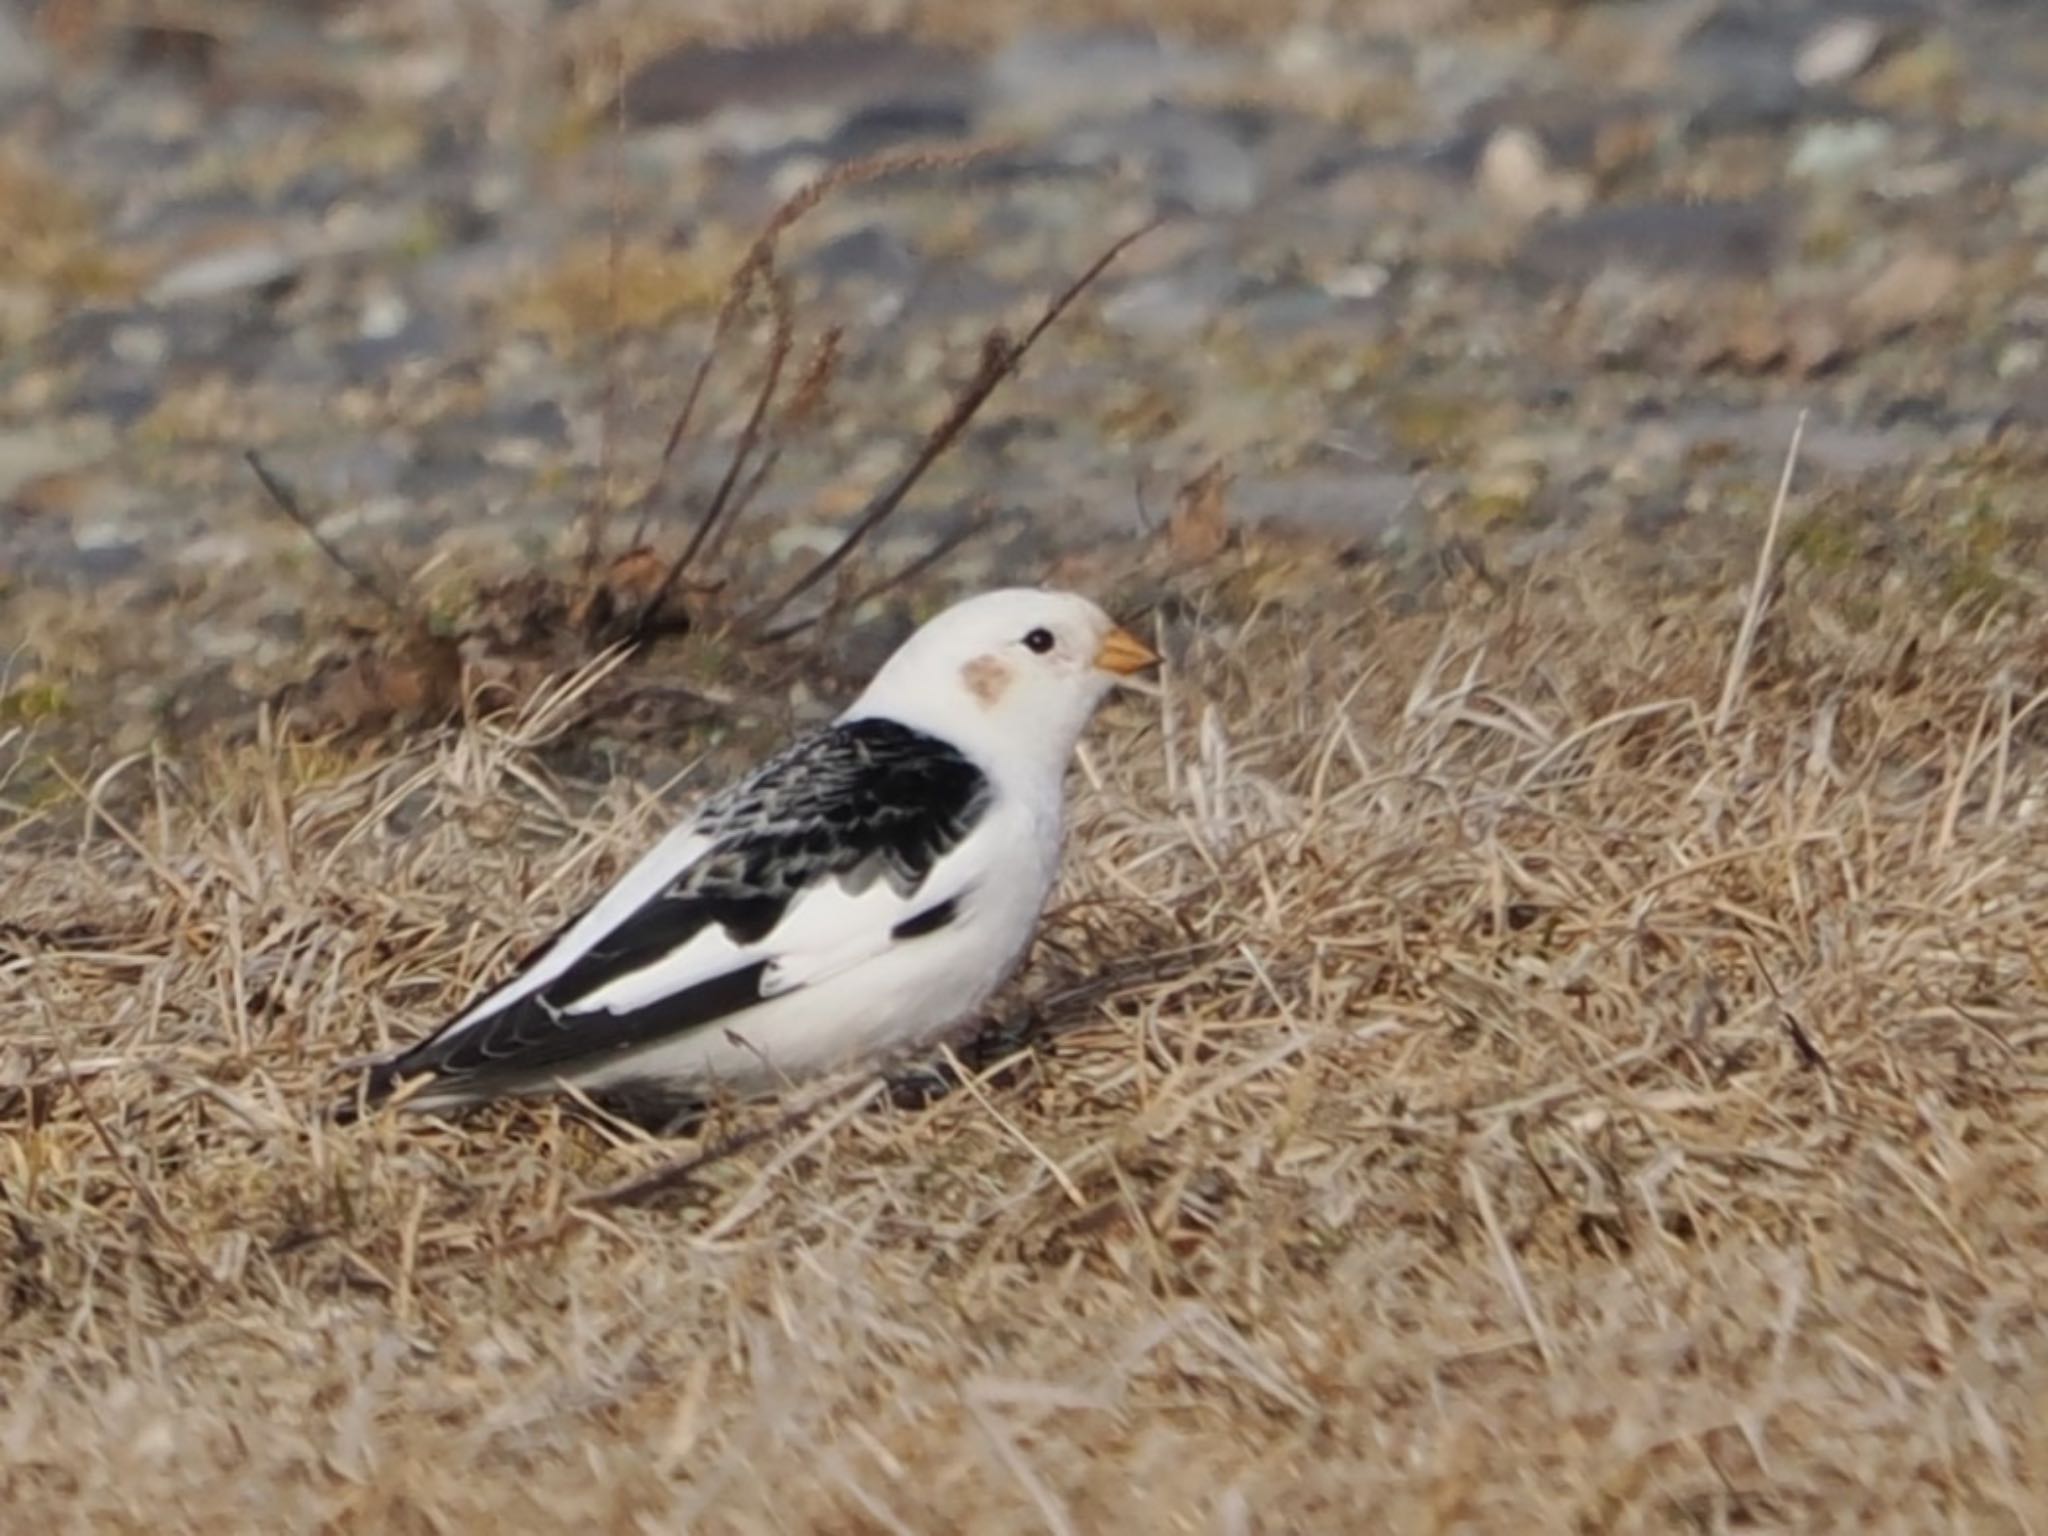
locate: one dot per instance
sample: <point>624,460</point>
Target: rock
<point>1754,344</point>
<point>1838,51</point>
<point>30,453</point>
<point>382,315</point>
<point>1815,345</point>
<point>234,270</point>
<point>140,346</point>
<point>1717,238</point>
<point>873,253</point>
<point>824,68</point>
<point>1840,151</point>
<point>1364,281</point>
<point>1050,76</point>
<point>892,124</point>
<point>1191,159</point>
<point>1914,288</point>
<point>1370,504</point>
<point>2019,358</point>
<point>1173,305</point>
<point>1515,176</point>
<point>1801,344</point>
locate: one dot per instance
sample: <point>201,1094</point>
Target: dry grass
<point>1473,1093</point>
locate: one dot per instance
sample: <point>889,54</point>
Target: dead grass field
<point>1471,1092</point>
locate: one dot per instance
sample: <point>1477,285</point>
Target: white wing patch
<point>828,931</point>
<point>658,867</point>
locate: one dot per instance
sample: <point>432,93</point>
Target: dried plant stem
<point>757,266</point>
<point>286,500</point>
<point>598,524</point>
<point>999,359</point>
<point>978,523</point>
<point>1753,613</point>
<point>743,451</point>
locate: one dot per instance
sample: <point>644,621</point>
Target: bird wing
<point>821,859</point>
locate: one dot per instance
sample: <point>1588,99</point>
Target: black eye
<point>1038,642</point>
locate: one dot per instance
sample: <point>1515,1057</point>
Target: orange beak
<point>1123,653</point>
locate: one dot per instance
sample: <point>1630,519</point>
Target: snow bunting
<point>853,897</point>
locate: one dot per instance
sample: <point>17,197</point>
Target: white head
<point>1007,677</point>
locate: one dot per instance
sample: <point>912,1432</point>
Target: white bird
<point>854,897</point>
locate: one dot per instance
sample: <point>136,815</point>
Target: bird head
<point>1013,674</point>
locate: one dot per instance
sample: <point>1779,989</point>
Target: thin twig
<point>599,521</point>
<point>805,404</point>
<point>739,287</point>
<point>152,1207</point>
<point>643,1187</point>
<point>286,500</point>
<point>999,359</point>
<point>1510,1271</point>
<point>983,519</point>
<point>1752,615</point>
<point>759,265</point>
<point>743,451</point>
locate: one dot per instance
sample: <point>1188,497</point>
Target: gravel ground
<point>1505,280</point>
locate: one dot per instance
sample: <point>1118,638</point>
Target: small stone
<point>1052,75</point>
<point>1170,307</point>
<point>826,67</point>
<point>1305,49</point>
<point>2019,358</point>
<point>140,346</point>
<point>1840,151</point>
<point>1191,160</point>
<point>32,453</point>
<point>1366,281</point>
<point>217,273</point>
<point>1515,175</point>
<point>793,174</point>
<point>1754,343</point>
<point>1814,345</point>
<point>1722,239</point>
<point>1914,288</point>
<point>1841,50</point>
<point>383,316</point>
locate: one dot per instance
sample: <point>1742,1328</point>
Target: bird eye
<point>1038,642</point>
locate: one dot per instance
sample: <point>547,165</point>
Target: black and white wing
<point>822,858</point>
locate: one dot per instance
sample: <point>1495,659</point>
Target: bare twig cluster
<point>759,290</point>
<point>627,598</point>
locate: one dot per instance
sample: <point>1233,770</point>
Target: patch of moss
<point>1432,426</point>
<point>34,703</point>
<point>1827,541</point>
<point>425,234</point>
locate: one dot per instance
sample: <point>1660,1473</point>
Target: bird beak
<point>1123,653</point>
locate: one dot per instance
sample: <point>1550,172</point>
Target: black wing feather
<point>856,802</point>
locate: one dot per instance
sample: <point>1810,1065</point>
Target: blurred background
<point>1500,277</point>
